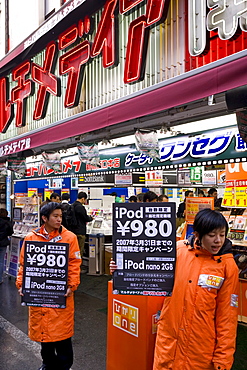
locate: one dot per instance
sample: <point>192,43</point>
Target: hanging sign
<point>221,177</point>
<point>154,178</point>
<point>89,154</point>
<point>194,205</point>
<point>123,179</point>
<point>18,166</point>
<point>184,177</point>
<point>144,248</point>
<point>52,160</point>
<point>45,274</point>
<point>229,199</point>
<point>196,174</point>
<point>209,177</point>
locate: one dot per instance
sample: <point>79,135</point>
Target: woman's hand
<point>113,266</point>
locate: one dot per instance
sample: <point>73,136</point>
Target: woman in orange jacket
<point>54,327</point>
<point>197,325</point>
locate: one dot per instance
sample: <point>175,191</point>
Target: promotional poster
<point>144,248</point>
<point>45,274</point>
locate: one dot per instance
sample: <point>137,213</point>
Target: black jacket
<point>6,229</point>
<point>181,209</point>
<point>82,218</point>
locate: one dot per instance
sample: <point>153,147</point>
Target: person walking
<point>65,206</point>
<point>6,230</point>
<point>182,206</point>
<point>82,219</point>
<point>54,327</point>
<point>197,325</point>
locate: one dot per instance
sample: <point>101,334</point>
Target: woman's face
<point>214,240</point>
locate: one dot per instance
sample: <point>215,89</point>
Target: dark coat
<point>82,218</point>
<point>6,229</point>
<point>181,209</point>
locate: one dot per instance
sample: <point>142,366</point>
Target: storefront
<point>101,70</point>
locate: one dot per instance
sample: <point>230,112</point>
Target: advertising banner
<point>196,174</point>
<point>45,274</point>
<point>209,177</point>
<point>144,248</point>
<point>154,178</point>
<point>194,205</point>
<point>229,199</point>
<point>123,179</point>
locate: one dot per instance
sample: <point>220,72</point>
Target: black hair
<point>187,193</point>
<point>212,190</point>
<point>208,220</point>
<point>149,195</point>
<point>160,197</point>
<point>48,208</point>
<point>54,196</point>
<point>140,197</point>
<point>133,198</point>
<point>81,195</point>
<point>200,191</point>
<point>65,196</point>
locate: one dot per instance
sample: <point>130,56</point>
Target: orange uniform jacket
<point>54,324</point>
<point>197,326</point>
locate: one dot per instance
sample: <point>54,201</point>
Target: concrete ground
<point>17,352</point>
<point>89,342</point>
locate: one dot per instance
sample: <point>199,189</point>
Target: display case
<point>25,215</point>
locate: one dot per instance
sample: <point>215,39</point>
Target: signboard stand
<point>132,325</point>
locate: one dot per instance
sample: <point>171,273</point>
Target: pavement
<point>18,352</point>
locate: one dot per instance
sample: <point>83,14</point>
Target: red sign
<point>71,63</point>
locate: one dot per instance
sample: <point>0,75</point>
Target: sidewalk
<point>89,342</point>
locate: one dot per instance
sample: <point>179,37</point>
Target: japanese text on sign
<point>45,274</point>
<point>144,248</point>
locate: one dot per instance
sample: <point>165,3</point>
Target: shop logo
<point>155,320</point>
<point>125,317</point>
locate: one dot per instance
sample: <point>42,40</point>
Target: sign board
<point>154,178</point>
<point>194,205</point>
<point>196,174</point>
<point>209,177</point>
<point>45,274</point>
<point>144,248</point>
<point>184,177</point>
<point>123,179</point>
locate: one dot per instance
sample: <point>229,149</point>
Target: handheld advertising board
<point>45,274</point>
<point>144,248</point>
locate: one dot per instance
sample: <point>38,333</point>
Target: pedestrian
<point>65,205</point>
<point>82,219</point>
<point>54,197</point>
<point>132,199</point>
<point>54,327</point>
<point>150,196</point>
<point>163,198</point>
<point>6,230</point>
<point>197,325</point>
<point>212,192</point>
<point>201,193</point>
<point>182,206</point>
<point>140,197</point>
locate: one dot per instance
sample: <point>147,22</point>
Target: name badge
<point>210,281</point>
